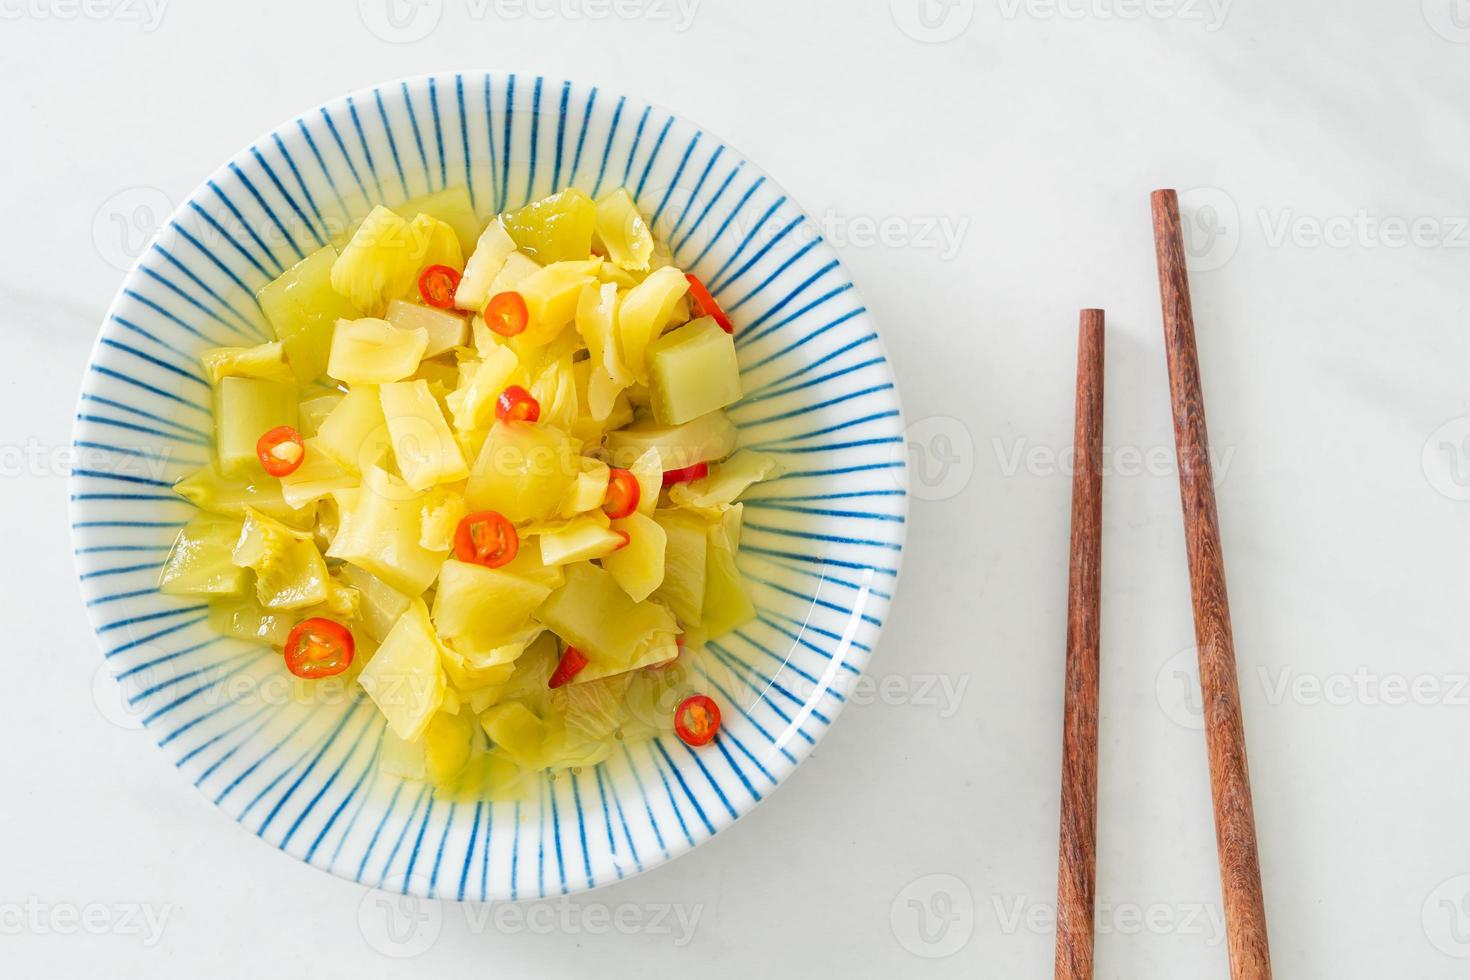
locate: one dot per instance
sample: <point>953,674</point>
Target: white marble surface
<point>1031,138</point>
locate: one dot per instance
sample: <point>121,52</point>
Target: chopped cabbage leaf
<point>725,483</point>
<point>265,361</point>
<point>383,260</point>
<point>372,351</point>
<point>623,231</point>
<point>485,263</point>
<point>201,561</point>
<point>289,571</point>
<point>423,446</point>
<point>405,678</point>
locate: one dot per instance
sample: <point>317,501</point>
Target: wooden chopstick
<point>1235,829</point>
<point>1077,860</point>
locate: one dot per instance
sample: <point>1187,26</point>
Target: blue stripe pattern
<point>821,544</point>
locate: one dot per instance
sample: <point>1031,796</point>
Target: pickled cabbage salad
<point>483,473</point>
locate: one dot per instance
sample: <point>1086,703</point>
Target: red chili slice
<point>486,538</point>
<point>506,314</point>
<point>318,648</point>
<point>623,493</point>
<point>697,719</point>
<point>706,305</point>
<point>280,451</point>
<point>437,285</point>
<point>569,666</point>
<point>516,404</point>
<point>686,473</point>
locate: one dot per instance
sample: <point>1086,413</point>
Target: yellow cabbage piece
<point>551,294</point>
<point>686,562</point>
<point>317,476</point>
<point>201,561</point>
<point>379,605</point>
<point>726,482</point>
<point>355,432</point>
<point>314,411</point>
<point>478,609</point>
<point>523,471</point>
<point>706,438</point>
<point>422,443</point>
<point>210,490</point>
<point>726,602</point>
<point>581,539</point>
<point>608,375</point>
<point>381,530</point>
<point>482,675</point>
<point>405,678</point>
<point>401,757</point>
<point>648,470</point>
<point>591,613</point>
<point>485,263</point>
<point>289,571</point>
<point>623,231</point>
<point>451,206</point>
<point>555,390</point>
<point>303,310</point>
<point>267,361</point>
<point>588,490</point>
<point>692,370</point>
<point>644,313</point>
<point>447,743</point>
<point>440,510</point>
<point>386,255</point>
<point>373,351</point>
<point>517,731</point>
<point>473,402</point>
<point>639,568</point>
<point>445,329</point>
<point>554,228</point>
<point>517,269</point>
<point>244,410</point>
<point>246,619</point>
